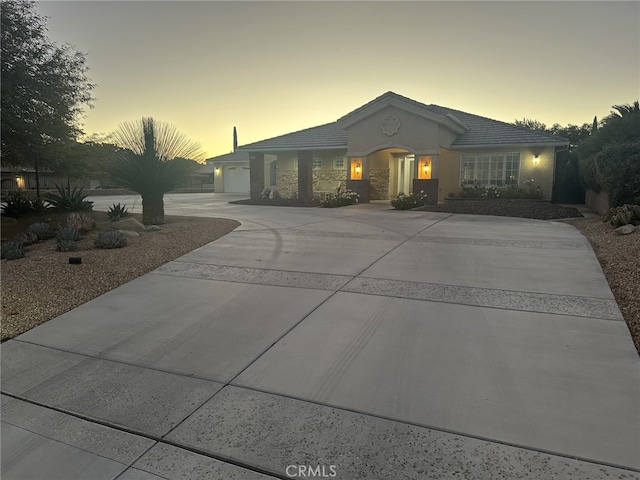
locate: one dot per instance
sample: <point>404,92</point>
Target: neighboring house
<point>25,179</point>
<point>393,145</point>
<point>231,172</point>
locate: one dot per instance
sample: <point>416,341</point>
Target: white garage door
<point>236,179</point>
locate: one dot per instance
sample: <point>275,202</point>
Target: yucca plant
<point>153,161</point>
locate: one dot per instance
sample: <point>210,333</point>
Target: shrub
<point>67,233</point>
<point>17,203</point>
<point>510,191</point>
<point>12,250</point>
<point>117,212</point>
<point>81,221</point>
<point>42,230</point>
<point>27,238</point>
<point>617,168</point>
<point>407,202</point>
<point>111,238</point>
<point>68,199</point>
<point>340,199</point>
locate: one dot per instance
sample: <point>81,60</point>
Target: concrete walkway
<point>353,343</point>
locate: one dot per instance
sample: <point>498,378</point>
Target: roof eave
<point>249,148</point>
<point>509,145</point>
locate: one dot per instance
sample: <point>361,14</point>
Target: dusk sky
<point>271,68</point>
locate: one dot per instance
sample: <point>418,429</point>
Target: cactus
<point>12,250</point>
<point>626,214</point>
<point>110,238</point>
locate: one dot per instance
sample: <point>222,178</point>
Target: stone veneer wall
<point>288,179</point>
<point>379,184</point>
<point>286,182</point>
<point>329,176</point>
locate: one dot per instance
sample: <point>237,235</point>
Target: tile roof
<point>325,136</point>
<point>480,131</point>
<point>486,131</point>
<point>236,156</point>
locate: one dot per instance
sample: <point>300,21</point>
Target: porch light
<point>358,168</point>
<point>536,159</point>
<point>425,169</point>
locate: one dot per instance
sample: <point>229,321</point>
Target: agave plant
<point>153,161</point>
<point>70,199</point>
<point>116,212</point>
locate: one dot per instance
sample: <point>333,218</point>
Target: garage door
<point>236,179</point>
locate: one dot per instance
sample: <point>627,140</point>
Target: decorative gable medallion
<point>390,125</point>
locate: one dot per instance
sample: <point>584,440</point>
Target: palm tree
<point>621,111</point>
<point>152,163</point>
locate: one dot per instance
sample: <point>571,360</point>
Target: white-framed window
<point>340,163</point>
<point>317,163</point>
<point>490,169</point>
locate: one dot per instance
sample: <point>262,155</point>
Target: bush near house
<point>340,199</point>
<point>532,191</point>
<point>407,202</point>
<point>617,168</point>
<point>609,159</point>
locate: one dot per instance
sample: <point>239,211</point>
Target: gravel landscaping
<point>43,285</point>
<point>619,256</point>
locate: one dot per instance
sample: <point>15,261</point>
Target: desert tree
<point>44,90</point>
<point>155,159</point>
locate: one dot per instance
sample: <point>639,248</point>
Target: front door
<point>405,174</point>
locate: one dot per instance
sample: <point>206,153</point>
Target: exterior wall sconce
<point>217,170</point>
<point>356,169</point>
<point>20,181</point>
<point>536,159</point>
<point>424,168</point>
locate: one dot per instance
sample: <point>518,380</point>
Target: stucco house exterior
<point>393,145</point>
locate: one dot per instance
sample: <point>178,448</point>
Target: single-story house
<point>393,145</point>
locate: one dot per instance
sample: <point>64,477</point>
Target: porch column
<point>305,174</point>
<point>256,175</point>
<point>435,162</point>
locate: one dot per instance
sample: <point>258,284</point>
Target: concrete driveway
<point>352,343</point>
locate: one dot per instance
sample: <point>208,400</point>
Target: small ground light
<point>75,260</point>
